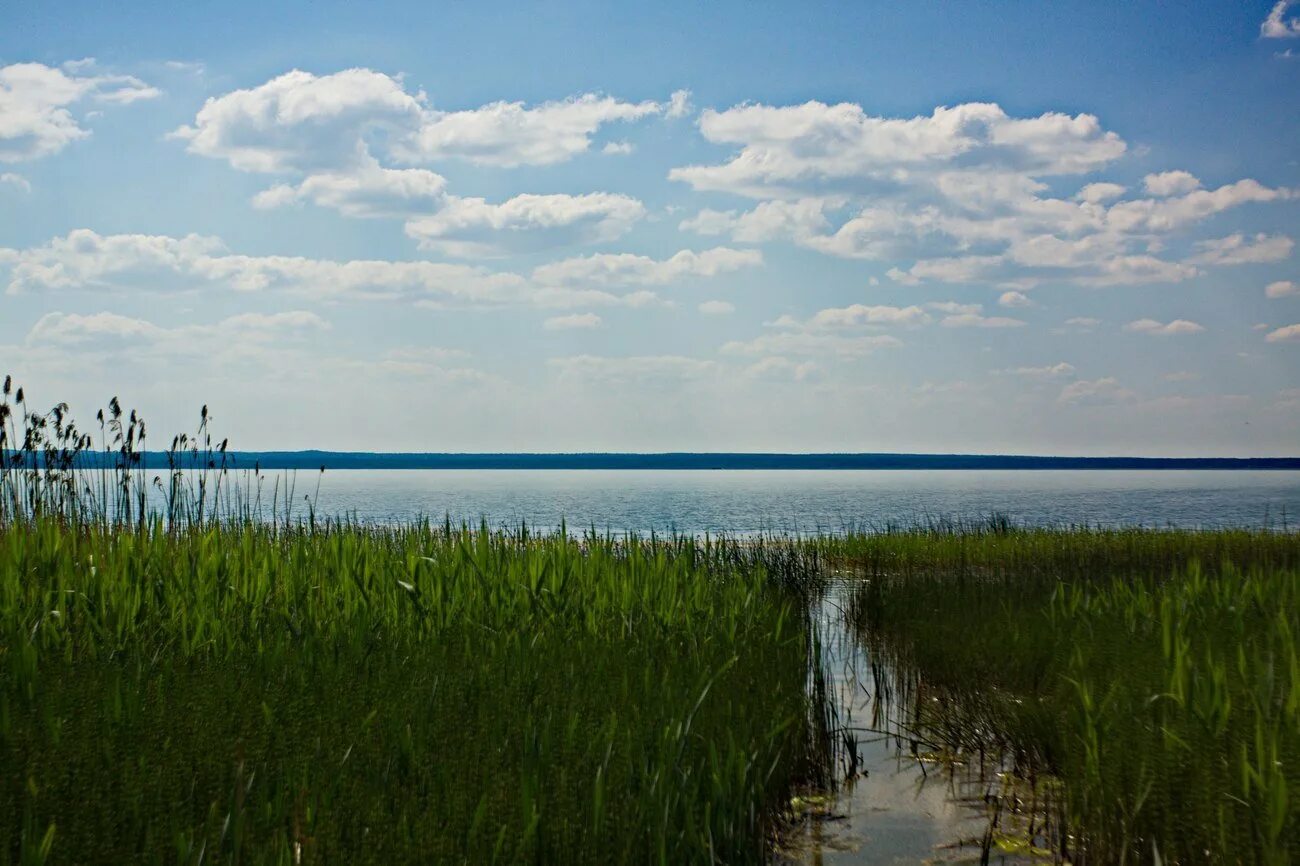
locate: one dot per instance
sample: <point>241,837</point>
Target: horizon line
<point>677,460</point>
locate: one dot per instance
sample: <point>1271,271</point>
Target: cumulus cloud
<point>356,141</point>
<point>717,308</point>
<point>1014,299</point>
<point>1237,249</point>
<point>962,192</point>
<point>1097,193</point>
<point>368,190</point>
<point>1164,329</point>
<point>1288,333</point>
<point>36,103</point>
<point>1282,289</point>
<point>803,220</point>
<point>86,261</point>
<point>1167,183</point>
<point>628,269</point>
<point>472,227</point>
<point>510,134</point>
<point>679,104</point>
<point>1277,25</point>
<point>785,148</point>
<point>568,323</point>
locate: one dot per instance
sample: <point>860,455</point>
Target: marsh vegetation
<point>195,667</point>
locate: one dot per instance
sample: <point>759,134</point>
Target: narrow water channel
<point>899,801</point>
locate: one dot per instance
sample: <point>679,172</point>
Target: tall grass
<point>1145,685</point>
<point>187,684</point>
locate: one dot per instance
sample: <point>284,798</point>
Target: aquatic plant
<point>1146,684</point>
<point>185,678</point>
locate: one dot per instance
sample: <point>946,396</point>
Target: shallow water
<point>894,807</point>
<point>753,501</point>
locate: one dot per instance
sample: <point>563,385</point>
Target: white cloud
<point>811,343</point>
<point>970,316</point>
<point>1169,213</point>
<point>509,134</point>
<point>366,191</point>
<point>785,148</point>
<point>1167,183</point>
<point>1284,334</point>
<point>1282,289</point>
<point>1051,371</point>
<point>1083,322</point>
<point>471,227</point>
<point>112,332</point>
<point>717,308</point>
<point>306,123</point>
<point>193,67</point>
<point>1237,249</point>
<point>349,141</point>
<point>803,221</point>
<point>627,269</point>
<point>85,260</point>
<point>36,119</point>
<point>953,308</point>
<point>1097,193</point>
<point>1014,299</point>
<point>617,148</point>
<point>1099,392</point>
<point>960,192</point>
<point>299,122</point>
<point>776,367</point>
<point>577,320</point>
<point>679,104</point>
<point>1277,25</point>
<point>865,315</point>
<point>1161,329</point>
<point>15,180</point>
<point>975,320</point>
<point>644,369</point>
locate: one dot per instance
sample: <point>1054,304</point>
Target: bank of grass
<point>1146,683</point>
<point>337,694</point>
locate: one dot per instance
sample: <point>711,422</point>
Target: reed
<point>185,680</point>
<point>1143,686</point>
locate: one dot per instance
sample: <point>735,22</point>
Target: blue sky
<point>1046,228</point>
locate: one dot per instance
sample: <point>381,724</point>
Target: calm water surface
<point>752,501</point>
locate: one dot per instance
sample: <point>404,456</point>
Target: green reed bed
<point>1145,684</point>
<point>242,694</point>
<point>191,674</point>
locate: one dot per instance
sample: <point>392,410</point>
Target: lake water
<point>754,501</point>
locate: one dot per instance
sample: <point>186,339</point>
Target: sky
<point>1060,228</point>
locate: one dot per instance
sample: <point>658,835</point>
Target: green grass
<point>192,672</point>
<point>242,694</point>
<point>1147,681</point>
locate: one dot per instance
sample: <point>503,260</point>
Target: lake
<point>788,501</point>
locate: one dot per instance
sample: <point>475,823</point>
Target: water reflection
<point>904,799</point>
